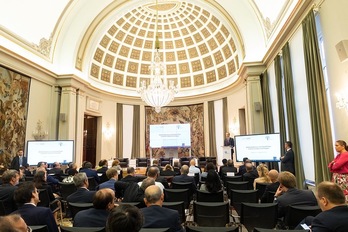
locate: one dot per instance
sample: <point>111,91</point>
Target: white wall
<point>127,130</point>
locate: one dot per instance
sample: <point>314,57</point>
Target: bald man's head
<point>153,195</point>
<point>184,169</point>
<point>273,175</point>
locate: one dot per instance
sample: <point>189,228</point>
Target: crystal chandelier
<point>157,94</point>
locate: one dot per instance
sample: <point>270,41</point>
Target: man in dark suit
<point>19,160</point>
<point>228,168</point>
<point>229,142</point>
<point>250,175</point>
<point>272,187</point>
<point>334,210</point>
<point>184,177</point>
<point>56,169</point>
<point>242,169</point>
<point>155,216</point>
<point>287,160</point>
<point>82,194</point>
<point>90,172</point>
<point>287,194</point>
<point>103,202</point>
<point>130,176</point>
<point>27,196</point>
<point>10,179</point>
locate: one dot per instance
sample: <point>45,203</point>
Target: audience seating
<point>263,215</point>
<point>175,195</point>
<point>272,230</point>
<point>261,187</point>
<point>211,213</point>
<point>185,161</point>
<point>65,190</point>
<point>154,230</point>
<point>92,184</point>
<point>54,205</point>
<point>124,162</point>
<point>178,206</point>
<point>203,196</point>
<point>296,213</point>
<point>137,204</point>
<point>202,162</point>
<point>39,228</point>
<point>269,197</point>
<point>77,207</point>
<point>231,178</point>
<point>239,196</point>
<point>184,185</point>
<point>211,229</point>
<point>163,161</point>
<point>142,162</point>
<point>2,209</point>
<point>81,229</point>
<point>239,185</point>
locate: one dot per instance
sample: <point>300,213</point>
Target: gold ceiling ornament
<point>158,93</point>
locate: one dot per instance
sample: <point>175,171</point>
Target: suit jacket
<point>269,188</point>
<point>287,163</point>
<point>6,196</point>
<point>108,184</point>
<point>130,178</point>
<point>15,162</point>
<point>250,177</point>
<point>56,171</point>
<point>333,220</point>
<point>82,195</point>
<point>91,173</point>
<point>156,216</point>
<point>225,169</point>
<point>91,218</point>
<point>185,178</point>
<point>34,216</point>
<point>295,197</point>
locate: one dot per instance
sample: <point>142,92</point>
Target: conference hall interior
<point>99,76</point>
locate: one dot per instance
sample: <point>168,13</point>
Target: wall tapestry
<point>192,114</point>
<point>14,97</point>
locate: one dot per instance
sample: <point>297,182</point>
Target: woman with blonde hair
<point>262,170</point>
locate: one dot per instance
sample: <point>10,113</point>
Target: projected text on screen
<point>170,135</point>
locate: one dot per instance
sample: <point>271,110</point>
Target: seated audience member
<point>72,171</point>
<point>193,168</point>
<point>40,165</point>
<point>334,213</point>
<point>242,168</point>
<point>168,171</point>
<point>272,187</point>
<point>103,166</point>
<point>82,194</point>
<point>124,218</point>
<point>176,167</point>
<point>40,182</point>
<point>90,172</point>
<point>27,197</point>
<point>229,168</point>
<point>112,175</point>
<point>103,203</point>
<point>250,175</point>
<point>13,223</point>
<point>26,170</point>
<point>131,192</point>
<point>184,177</point>
<point>153,172</point>
<point>212,183</point>
<point>262,171</point>
<point>155,163</point>
<point>56,169</point>
<point>155,216</point>
<point>208,167</point>
<point>130,176</point>
<point>287,194</point>
<point>224,165</point>
<point>116,164</point>
<point>10,179</point>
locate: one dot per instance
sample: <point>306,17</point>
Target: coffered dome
<point>197,47</point>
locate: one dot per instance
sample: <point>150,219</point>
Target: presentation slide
<point>50,151</point>
<point>170,135</point>
<point>261,147</point>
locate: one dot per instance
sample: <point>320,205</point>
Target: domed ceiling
<point>196,46</point>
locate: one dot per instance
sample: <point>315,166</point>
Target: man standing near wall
<point>19,160</point>
<point>287,160</point>
<point>229,142</point>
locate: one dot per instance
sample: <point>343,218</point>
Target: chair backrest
<point>212,229</point>
<point>142,162</point>
<point>44,198</point>
<point>124,162</point>
<point>203,196</point>
<point>272,230</point>
<point>41,228</point>
<point>178,206</point>
<point>237,185</point>
<point>154,230</point>
<point>231,178</point>
<point>261,187</point>
<point>263,215</point>
<point>81,229</point>
<point>92,183</point>
<point>211,213</point>
<point>184,185</point>
<point>175,195</point>
<point>77,207</point>
<point>2,209</point>
<point>137,204</point>
<point>296,213</point>
<point>239,196</point>
<point>66,189</point>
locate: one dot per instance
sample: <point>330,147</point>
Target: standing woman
<point>339,166</point>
